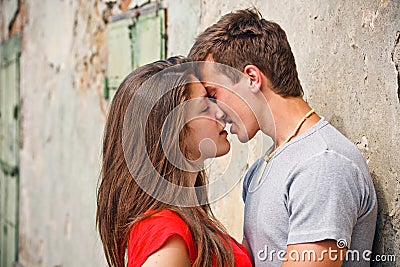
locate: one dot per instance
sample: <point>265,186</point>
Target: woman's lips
<point>223,132</point>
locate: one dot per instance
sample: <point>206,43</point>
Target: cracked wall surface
<point>348,59</point>
<point>396,61</point>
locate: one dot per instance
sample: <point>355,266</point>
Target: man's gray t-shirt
<point>316,187</point>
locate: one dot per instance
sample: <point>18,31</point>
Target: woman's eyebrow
<point>204,97</point>
<point>201,98</point>
<point>201,91</point>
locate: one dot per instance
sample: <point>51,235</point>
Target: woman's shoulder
<point>166,220</point>
<point>165,214</point>
<point>149,235</point>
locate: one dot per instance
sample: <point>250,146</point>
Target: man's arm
<point>324,197</point>
<point>323,253</point>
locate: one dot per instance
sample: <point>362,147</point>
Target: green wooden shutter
<point>119,53</point>
<point>148,38</point>
<point>9,149</point>
<point>133,42</point>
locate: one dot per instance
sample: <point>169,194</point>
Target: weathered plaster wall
<point>62,70</point>
<point>182,29</point>
<point>9,10</point>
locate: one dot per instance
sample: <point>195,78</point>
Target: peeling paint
<point>369,17</point>
<point>396,61</point>
<point>363,144</point>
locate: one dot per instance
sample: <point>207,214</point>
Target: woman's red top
<point>150,235</point>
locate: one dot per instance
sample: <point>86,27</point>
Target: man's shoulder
<point>337,142</point>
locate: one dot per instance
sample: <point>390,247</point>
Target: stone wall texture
<point>347,54</point>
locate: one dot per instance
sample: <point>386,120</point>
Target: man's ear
<point>255,77</point>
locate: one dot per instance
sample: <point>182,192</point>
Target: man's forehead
<point>206,67</point>
<point>209,72</point>
<point>215,75</point>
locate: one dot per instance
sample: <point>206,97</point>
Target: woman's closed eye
<point>206,109</point>
<point>209,101</point>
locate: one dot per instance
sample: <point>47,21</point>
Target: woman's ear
<point>254,75</point>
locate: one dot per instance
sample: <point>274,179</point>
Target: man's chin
<point>243,138</point>
<point>241,135</point>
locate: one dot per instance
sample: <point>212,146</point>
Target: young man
<point>310,201</point>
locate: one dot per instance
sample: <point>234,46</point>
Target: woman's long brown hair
<point>121,202</point>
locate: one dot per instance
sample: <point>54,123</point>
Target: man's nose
<point>219,113</point>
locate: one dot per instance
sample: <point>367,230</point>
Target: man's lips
<point>232,130</point>
<point>223,132</point>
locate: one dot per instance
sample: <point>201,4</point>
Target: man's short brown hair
<point>244,38</point>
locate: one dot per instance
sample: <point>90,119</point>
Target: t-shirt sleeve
<point>150,235</point>
<point>324,197</point>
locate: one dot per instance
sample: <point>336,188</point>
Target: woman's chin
<point>222,151</point>
<point>215,151</point>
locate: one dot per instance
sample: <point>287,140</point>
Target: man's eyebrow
<point>209,87</point>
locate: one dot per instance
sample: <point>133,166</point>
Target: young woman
<point>152,206</point>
